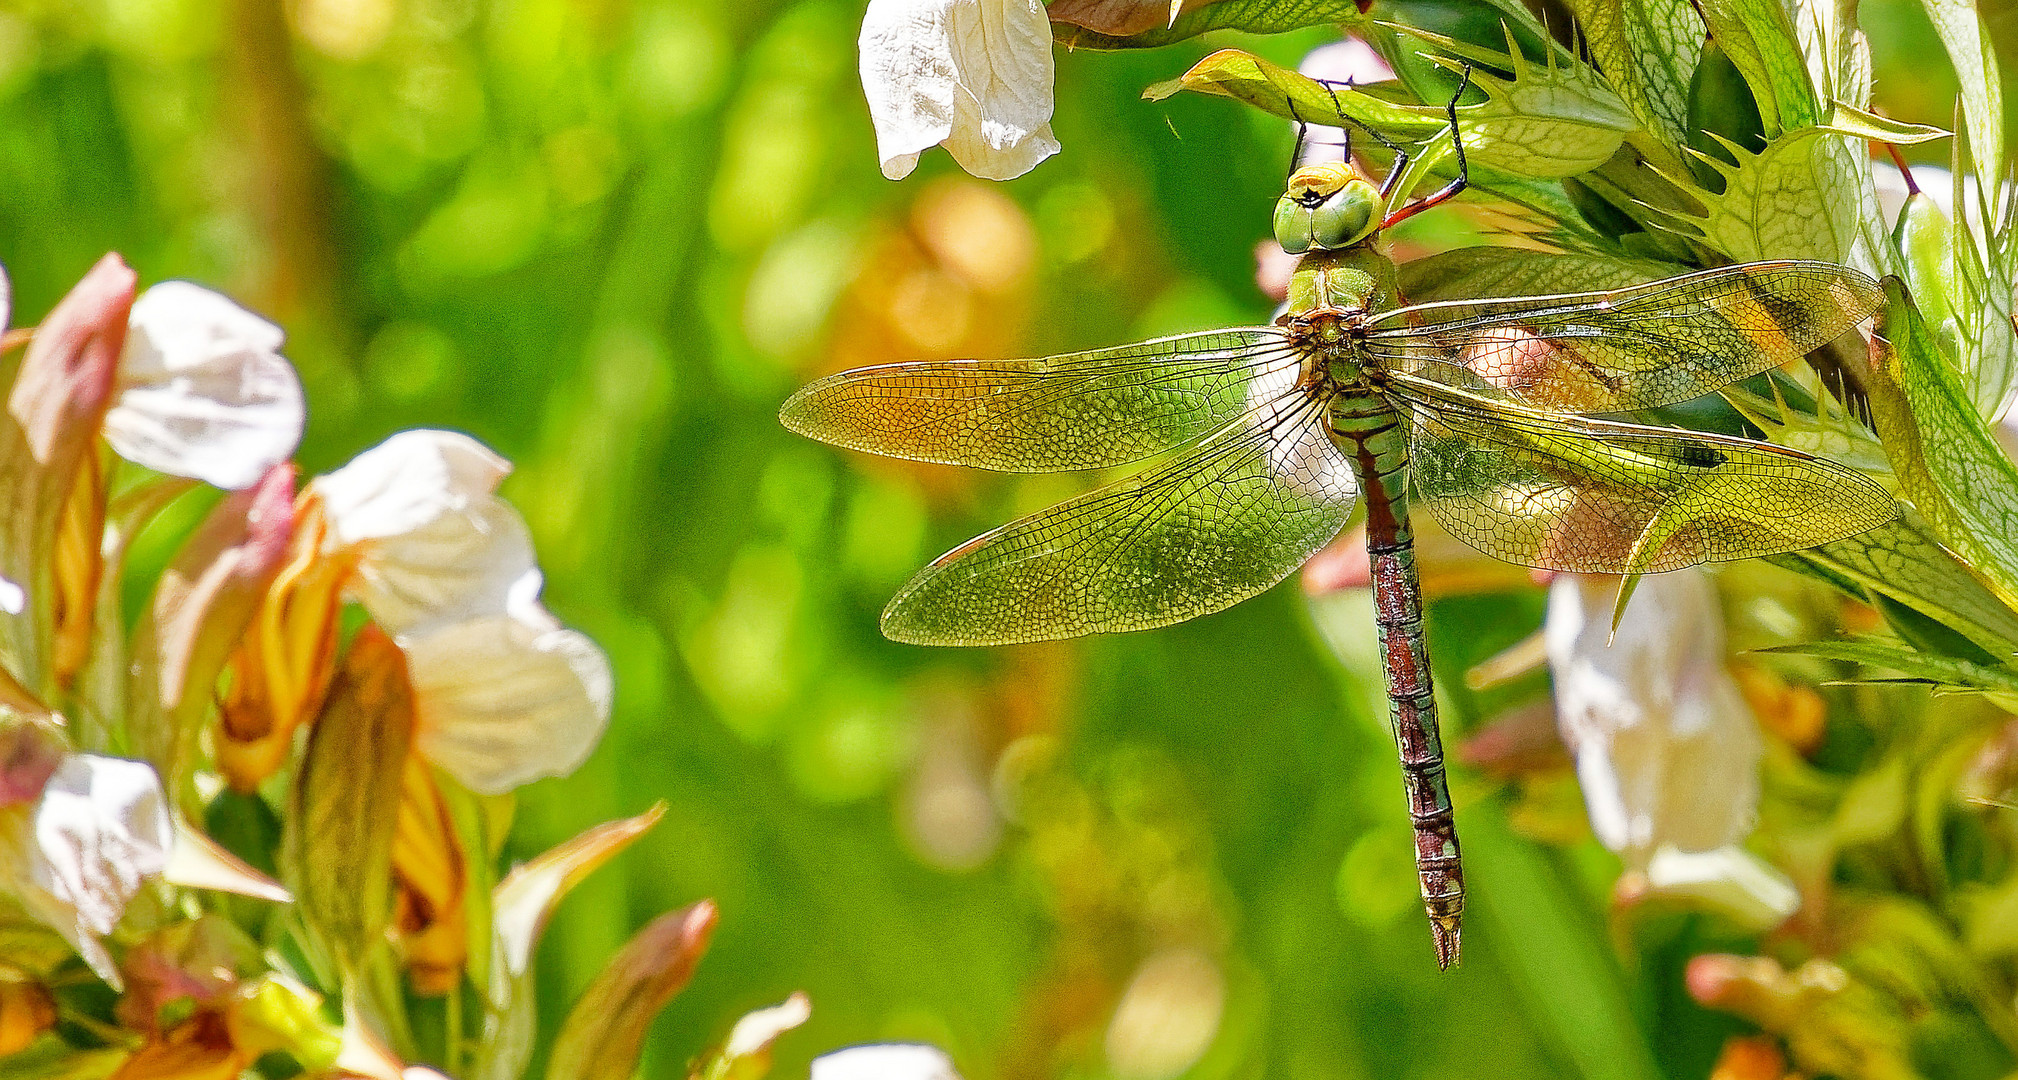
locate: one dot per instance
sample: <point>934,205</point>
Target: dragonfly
<point>1499,416</point>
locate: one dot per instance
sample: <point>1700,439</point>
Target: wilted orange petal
<point>78,564</point>
<point>198,1050</point>
<point>281,669</point>
<point>1797,714</point>
<point>1749,1058</point>
<point>26,1011</point>
<point>427,861</point>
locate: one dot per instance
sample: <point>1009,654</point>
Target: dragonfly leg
<point>1400,155</point>
<point>1448,191</point>
<point>1296,151</point>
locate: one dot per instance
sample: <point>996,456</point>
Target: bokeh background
<point>608,237</point>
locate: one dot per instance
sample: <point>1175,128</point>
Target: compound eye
<point>1343,219</point>
<point>1292,225</point>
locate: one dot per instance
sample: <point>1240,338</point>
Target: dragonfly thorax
<point>1329,339</point>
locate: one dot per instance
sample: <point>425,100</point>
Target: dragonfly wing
<point>1634,348</point>
<point>1230,516</point>
<point>1594,496</point>
<point>1078,411</point>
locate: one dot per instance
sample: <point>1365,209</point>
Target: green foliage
<point>609,238</point>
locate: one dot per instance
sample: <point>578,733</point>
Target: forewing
<point>1078,411</point>
<point>1635,348</point>
<point>1593,496</point>
<point>1230,516</point>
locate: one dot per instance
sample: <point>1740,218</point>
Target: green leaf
<point>1252,16</point>
<point>522,904</point>
<point>1947,462</point>
<point>1721,112</point>
<point>1903,561</point>
<point>1984,253</point>
<point>1471,272</point>
<point>1799,198</point>
<point>1647,50</point>
<point>1547,122</point>
<point>1759,38</point>
<point>1845,119</point>
<point>1893,655</point>
<point>50,1058</point>
<point>1982,98</point>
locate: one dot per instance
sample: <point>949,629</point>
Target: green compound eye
<point>1325,207</point>
<point>1292,225</point>
<point>1345,218</point>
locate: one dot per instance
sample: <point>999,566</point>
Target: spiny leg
<point>1395,148</point>
<point>1448,191</point>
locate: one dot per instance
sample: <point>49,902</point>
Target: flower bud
<point>337,848</point>
<point>605,1032</point>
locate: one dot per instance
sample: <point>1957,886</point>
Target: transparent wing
<point>1078,411</point>
<point>1225,519</point>
<point>1635,348</point>
<point>1593,496</point>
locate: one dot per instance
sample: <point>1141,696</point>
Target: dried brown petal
<point>1122,18</point>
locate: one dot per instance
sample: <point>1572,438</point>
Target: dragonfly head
<point>1327,207</point>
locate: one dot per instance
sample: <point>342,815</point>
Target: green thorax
<point>1357,278</point>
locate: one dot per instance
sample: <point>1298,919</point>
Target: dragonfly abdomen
<point>1374,439</point>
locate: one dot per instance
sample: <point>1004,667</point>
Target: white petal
<point>1730,879</point>
<point>456,567</point>
<point>756,1031</point>
<point>908,77</point>
<point>435,545</point>
<point>887,1061</point>
<point>203,391</point>
<point>408,481</point>
<point>975,75</point>
<point>1667,750</point>
<point>501,702</point>
<point>99,831</point>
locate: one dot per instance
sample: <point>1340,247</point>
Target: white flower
<point>1667,750</point>
<point>77,855</point>
<point>434,542</point>
<point>971,75</point>
<point>501,701</point>
<point>202,389</point>
<point>1728,878</point>
<point>886,1061</point>
<point>503,693</point>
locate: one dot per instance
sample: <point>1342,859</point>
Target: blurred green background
<point>608,237</point>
